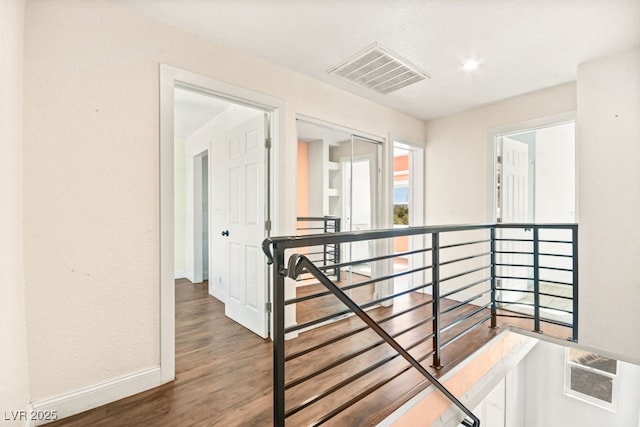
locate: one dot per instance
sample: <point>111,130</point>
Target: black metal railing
<point>537,273</point>
<point>419,302</point>
<point>327,254</point>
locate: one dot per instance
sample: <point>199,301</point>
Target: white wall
<point>545,403</point>
<point>491,411</point>
<point>14,383</point>
<point>555,183</point>
<point>457,191</point>
<point>608,133</point>
<point>91,190</point>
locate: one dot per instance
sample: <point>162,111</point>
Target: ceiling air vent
<point>380,70</point>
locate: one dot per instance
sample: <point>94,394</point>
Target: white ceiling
<point>193,110</point>
<point>522,45</point>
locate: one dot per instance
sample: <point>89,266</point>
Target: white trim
<point>167,233</point>
<point>180,275</point>
<point>68,404</point>
<point>169,78</point>
<point>416,168</point>
<point>340,128</point>
<point>417,196</point>
<point>491,154</point>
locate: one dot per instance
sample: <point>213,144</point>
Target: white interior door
<point>359,189</point>
<point>361,207</point>
<point>219,201</point>
<point>515,185</point>
<point>245,228</point>
<point>515,208</point>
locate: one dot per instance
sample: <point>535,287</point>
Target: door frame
<point>416,199</point>
<point>493,147</point>
<point>417,190</point>
<point>491,155</point>
<point>170,77</point>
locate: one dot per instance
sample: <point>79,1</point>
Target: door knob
<point>225,233</point>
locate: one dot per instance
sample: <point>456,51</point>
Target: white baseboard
<point>180,275</point>
<point>91,397</point>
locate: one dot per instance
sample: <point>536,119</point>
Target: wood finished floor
<point>315,308</point>
<point>224,372</point>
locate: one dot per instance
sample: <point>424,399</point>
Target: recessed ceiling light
<point>470,65</point>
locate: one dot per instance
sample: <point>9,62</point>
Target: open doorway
<point>535,182</point>
<point>225,165</point>
<point>408,211</point>
<point>534,172</point>
<point>243,154</point>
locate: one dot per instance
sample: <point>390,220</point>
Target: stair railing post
<point>337,229</point>
<point>325,227</point>
<point>574,240</point>
<point>494,305</point>
<point>536,279</point>
<point>278,336</point>
<point>435,291</point>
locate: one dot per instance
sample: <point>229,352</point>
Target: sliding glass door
<point>339,176</point>
<point>360,201</point>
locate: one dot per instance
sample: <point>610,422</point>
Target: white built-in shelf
<point>333,166</point>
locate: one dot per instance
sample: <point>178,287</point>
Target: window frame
<point>609,406</point>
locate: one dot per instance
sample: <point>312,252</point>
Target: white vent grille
<point>378,69</point>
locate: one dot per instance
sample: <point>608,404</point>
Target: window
<point>591,377</point>
<point>401,194</point>
<point>401,205</point>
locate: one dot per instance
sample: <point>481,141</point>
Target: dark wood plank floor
<point>224,372</point>
<point>315,308</point>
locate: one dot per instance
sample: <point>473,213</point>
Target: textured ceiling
<point>521,45</point>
